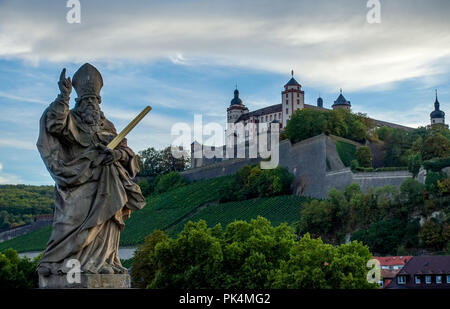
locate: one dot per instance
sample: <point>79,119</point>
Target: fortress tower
<point>292,99</point>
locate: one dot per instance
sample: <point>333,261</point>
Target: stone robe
<point>91,199</point>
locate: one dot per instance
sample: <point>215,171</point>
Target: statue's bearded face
<point>89,110</point>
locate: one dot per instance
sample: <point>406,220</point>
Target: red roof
<point>392,260</point>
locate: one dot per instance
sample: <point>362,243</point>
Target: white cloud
<point>328,44</point>
<point>8,178</point>
<point>19,144</point>
<point>20,98</point>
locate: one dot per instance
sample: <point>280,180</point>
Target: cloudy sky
<point>185,57</point>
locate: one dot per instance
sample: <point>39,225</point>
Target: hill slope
<point>171,210</point>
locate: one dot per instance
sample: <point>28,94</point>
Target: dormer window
<point>417,279</point>
<point>401,280</point>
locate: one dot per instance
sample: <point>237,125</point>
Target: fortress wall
<point>224,168</point>
<point>20,230</point>
<point>307,161</point>
<point>337,179</point>
<point>380,179</point>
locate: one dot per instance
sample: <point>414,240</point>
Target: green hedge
<point>436,164</point>
<point>381,169</point>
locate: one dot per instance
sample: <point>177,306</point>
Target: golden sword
<point>116,141</point>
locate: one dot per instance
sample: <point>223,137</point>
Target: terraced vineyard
<point>163,210</point>
<point>285,208</point>
<point>171,210</point>
<point>160,212</point>
<point>32,241</point>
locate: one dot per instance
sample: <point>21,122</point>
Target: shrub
<point>414,164</point>
<point>16,272</point>
<point>436,164</point>
<point>431,235</point>
<point>364,156</point>
<point>251,182</point>
<point>431,181</point>
<point>307,123</point>
<point>253,255</point>
<point>346,152</point>
<point>169,182</point>
<point>143,270</point>
<point>382,237</point>
<point>435,146</point>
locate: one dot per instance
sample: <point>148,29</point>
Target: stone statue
<point>94,191</point>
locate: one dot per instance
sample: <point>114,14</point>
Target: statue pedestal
<point>88,281</point>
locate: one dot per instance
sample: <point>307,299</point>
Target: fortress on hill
<point>314,162</point>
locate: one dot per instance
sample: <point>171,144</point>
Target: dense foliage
<point>346,152</point>
<point>19,203</point>
<point>405,148</point>
<point>155,162</point>
<point>364,156</point>
<point>307,123</point>
<point>16,272</point>
<point>248,254</point>
<point>251,181</point>
<point>385,219</point>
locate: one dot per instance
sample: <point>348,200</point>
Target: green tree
<point>16,272</point>
<point>414,163</point>
<point>155,162</point>
<point>435,146</point>
<point>144,267</point>
<point>364,156</point>
<point>251,255</point>
<point>431,235</point>
<point>169,182</point>
<point>315,265</point>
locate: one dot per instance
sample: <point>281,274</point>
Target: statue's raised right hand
<point>65,84</point>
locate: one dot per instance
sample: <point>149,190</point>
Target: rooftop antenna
<point>292,73</point>
<point>341,90</point>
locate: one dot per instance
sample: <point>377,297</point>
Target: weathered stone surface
<point>94,191</point>
<point>88,281</point>
<point>307,160</point>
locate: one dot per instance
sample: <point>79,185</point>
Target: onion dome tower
<point>437,116</point>
<point>236,108</point>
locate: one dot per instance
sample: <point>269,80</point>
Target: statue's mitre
<point>87,81</point>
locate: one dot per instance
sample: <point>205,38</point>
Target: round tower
<point>341,103</point>
<point>236,108</point>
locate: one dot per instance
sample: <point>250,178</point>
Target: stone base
<point>88,281</point>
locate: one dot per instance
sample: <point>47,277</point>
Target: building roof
<point>236,100</point>
<point>392,260</point>
<point>319,102</point>
<point>437,113</point>
<point>341,101</point>
<point>292,82</point>
<point>260,112</point>
<point>277,108</point>
<point>427,265</point>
